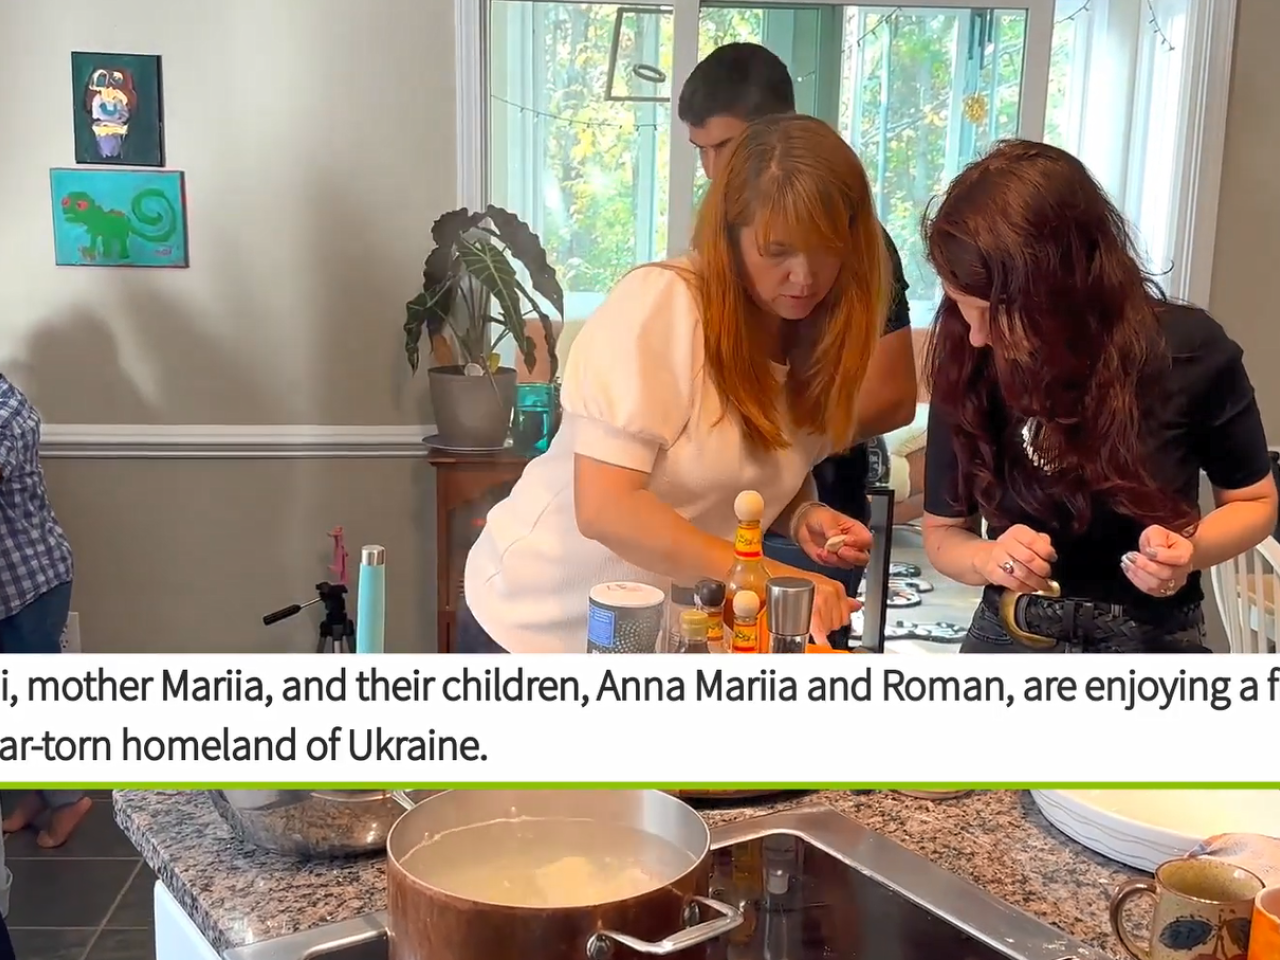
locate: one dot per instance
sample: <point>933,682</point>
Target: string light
<point>1155,25</point>
<point>1080,11</point>
<point>887,18</point>
<point>1085,7</point>
<point>574,121</point>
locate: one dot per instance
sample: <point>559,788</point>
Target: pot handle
<point>402,797</point>
<point>730,918</point>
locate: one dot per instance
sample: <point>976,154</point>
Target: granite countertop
<point>998,839</point>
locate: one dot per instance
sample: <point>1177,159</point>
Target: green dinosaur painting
<point>121,218</point>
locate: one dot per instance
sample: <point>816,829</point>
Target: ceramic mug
<point>1264,940</point>
<point>1203,909</point>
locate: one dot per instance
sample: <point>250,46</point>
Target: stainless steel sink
<point>364,938</point>
<point>848,892</point>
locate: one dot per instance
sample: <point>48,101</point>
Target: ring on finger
<point>1007,567</point>
<point>1170,587</point>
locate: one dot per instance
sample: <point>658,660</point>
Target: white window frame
<point>1201,121</point>
<point>473,93</point>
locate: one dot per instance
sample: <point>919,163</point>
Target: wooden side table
<point>467,488</point>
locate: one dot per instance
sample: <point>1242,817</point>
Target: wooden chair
<point>1247,590</point>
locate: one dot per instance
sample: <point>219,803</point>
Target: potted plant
<point>470,285</point>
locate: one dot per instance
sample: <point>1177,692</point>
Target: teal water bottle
<point>371,599</point>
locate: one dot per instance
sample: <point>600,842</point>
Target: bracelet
<point>797,515</point>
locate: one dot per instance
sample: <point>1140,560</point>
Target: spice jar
<point>693,632</point>
<point>680,601</point>
<point>709,598</point>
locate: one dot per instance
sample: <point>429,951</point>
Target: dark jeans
<point>6,945</point>
<point>785,550</point>
<point>37,627</point>
<point>471,638</point>
<point>988,635</point>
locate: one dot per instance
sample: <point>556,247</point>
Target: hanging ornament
<point>975,109</point>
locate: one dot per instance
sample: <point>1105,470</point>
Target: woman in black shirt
<point>1073,408</point>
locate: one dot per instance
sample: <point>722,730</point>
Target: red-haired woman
<point>738,367</point>
<point>1073,409</point>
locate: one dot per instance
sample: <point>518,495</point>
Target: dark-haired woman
<point>1073,409</point>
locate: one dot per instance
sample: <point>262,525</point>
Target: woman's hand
<point>1018,560</point>
<point>1161,564</point>
<point>816,527</point>
<point>832,606</point>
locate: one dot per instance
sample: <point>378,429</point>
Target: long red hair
<point>792,178</point>
<point>1075,339</point>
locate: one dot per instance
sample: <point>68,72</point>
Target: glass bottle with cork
<point>747,572</point>
<point>746,623</point>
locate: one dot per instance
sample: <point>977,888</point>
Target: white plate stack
<point>1144,828</point>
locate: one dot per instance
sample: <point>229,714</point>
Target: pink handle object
<point>339,565</point>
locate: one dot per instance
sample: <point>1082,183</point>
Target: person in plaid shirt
<point>36,571</point>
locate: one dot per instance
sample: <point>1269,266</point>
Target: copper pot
<point>675,918</point>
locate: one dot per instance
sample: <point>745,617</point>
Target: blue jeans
<point>785,550</point>
<point>987,634</point>
<point>472,638</point>
<point>37,627</point>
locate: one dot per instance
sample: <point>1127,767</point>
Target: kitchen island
<point>235,895</point>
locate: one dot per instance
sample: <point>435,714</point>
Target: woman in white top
<point>736,368</point>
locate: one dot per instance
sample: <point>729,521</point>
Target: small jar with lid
<point>709,598</point>
<point>693,633</point>
<point>681,601</point>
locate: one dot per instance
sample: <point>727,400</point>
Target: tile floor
<point>89,900</point>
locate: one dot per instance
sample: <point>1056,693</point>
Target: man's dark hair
<point>741,80</point>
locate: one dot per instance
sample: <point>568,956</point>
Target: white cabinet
<point>176,936</point>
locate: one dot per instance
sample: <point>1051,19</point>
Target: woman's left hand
<point>819,523</point>
<point>1161,564</point>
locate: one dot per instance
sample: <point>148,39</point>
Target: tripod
<point>337,630</point>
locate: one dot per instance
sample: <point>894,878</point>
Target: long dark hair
<point>1074,340</point>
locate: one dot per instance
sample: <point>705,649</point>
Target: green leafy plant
<point>469,272</point>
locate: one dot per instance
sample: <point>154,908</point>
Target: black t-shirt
<point>841,479</point>
<point>1201,416</point>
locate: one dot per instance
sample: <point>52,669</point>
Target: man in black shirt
<point>732,86</point>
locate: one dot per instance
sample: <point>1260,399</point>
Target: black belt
<point>1044,622</point>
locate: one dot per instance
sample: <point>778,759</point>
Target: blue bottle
<point>371,600</point>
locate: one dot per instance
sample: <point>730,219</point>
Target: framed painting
<point>118,113</point>
<point>118,218</point>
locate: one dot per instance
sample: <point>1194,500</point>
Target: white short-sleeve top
<point>635,393</point>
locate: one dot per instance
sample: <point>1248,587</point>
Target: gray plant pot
<point>472,411</point>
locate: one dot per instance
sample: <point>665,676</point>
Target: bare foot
<point>63,822</point>
<point>29,807</point>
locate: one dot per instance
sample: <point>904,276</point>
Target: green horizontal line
<point>657,785</point>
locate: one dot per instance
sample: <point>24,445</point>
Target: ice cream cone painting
<point>117,104</point>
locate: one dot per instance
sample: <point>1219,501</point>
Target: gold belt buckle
<point>1009,616</point>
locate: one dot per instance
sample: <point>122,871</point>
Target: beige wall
<point>317,141</point>
<point>188,555</point>
<point>1243,296</point>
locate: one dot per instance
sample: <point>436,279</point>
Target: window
<point>581,140</point>
<point>578,143</point>
<point>1151,204</point>
<point>582,143</point>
